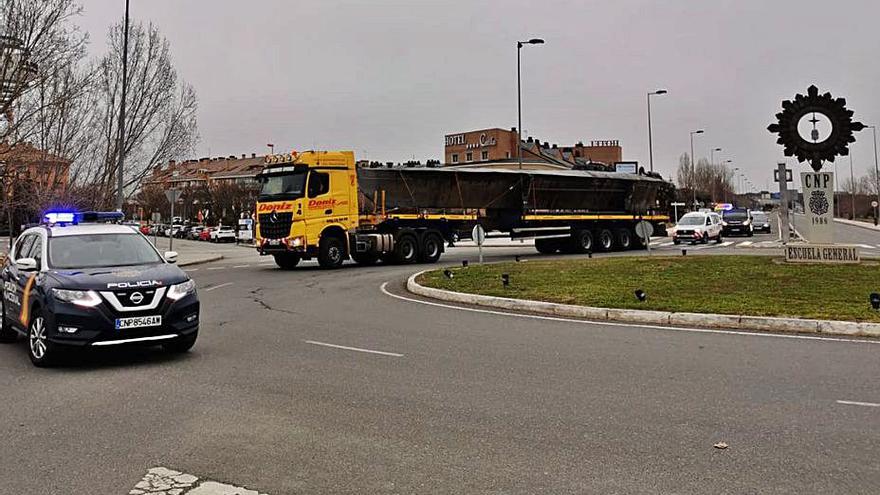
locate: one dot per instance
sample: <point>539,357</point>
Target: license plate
<point>275,242</point>
<point>138,322</point>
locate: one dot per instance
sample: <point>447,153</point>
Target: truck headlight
<point>179,291</point>
<point>84,298</point>
<point>297,241</point>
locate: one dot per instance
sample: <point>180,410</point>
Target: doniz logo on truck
<point>280,206</point>
<point>325,203</point>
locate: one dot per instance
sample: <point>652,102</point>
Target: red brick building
<point>497,148</point>
<point>23,163</point>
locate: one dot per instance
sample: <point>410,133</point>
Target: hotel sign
<point>461,140</point>
<point>821,253</point>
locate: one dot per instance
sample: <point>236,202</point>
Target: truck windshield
<point>283,186</point>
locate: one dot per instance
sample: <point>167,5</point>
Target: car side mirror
<point>26,264</point>
<point>171,256</point>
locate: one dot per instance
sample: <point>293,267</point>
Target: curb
<point>202,261</point>
<point>663,318</point>
<point>856,223</point>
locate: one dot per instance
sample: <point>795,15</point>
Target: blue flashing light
<point>60,217</point>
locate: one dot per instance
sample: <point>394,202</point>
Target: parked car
<point>172,230</point>
<point>205,235</point>
<point>760,221</point>
<point>697,227</point>
<point>737,221</point>
<point>224,234</point>
<point>194,232</point>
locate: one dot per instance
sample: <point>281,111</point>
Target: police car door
<point>14,281</point>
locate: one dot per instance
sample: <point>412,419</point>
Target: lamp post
<point>694,166</point>
<point>121,147</point>
<point>852,191</point>
<point>519,45</point>
<point>712,154</point>
<point>876,173</point>
<point>650,137</point>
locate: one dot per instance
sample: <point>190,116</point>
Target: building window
<point>455,158</point>
<point>507,154</point>
<point>484,155</point>
<point>469,157</point>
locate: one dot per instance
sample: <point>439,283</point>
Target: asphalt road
<point>867,239</point>
<point>448,401</point>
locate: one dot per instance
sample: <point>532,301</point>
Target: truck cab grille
<point>277,229</point>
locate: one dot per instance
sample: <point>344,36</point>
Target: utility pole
<point>121,147</point>
<point>694,167</point>
<point>650,137</point>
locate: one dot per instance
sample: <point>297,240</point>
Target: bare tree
<point>160,112</point>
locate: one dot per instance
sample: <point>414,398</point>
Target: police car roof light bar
<point>70,217</point>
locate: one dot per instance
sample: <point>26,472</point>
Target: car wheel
<point>705,238</point>
<point>41,351</point>
<point>180,344</point>
<point>718,239</point>
<point>287,261</point>
<point>331,252</point>
<point>7,334</point>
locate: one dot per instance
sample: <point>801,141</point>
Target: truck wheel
<point>581,242</point>
<point>606,240</point>
<point>331,252</point>
<point>7,334</point>
<point>286,261</point>
<point>546,246</point>
<point>432,248</point>
<point>624,239</point>
<point>365,259</point>
<point>406,250</point>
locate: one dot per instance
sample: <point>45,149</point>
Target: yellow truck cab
<point>307,205</point>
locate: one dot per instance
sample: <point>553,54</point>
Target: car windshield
<point>736,215</point>
<point>99,250</point>
<point>283,186</point>
<point>692,220</point>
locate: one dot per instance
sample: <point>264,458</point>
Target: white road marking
<point>209,289</point>
<point>667,244</point>
<point>384,289</point>
<point>241,266</point>
<point>725,244</point>
<point>745,243</point>
<point>216,268</point>
<point>191,270</point>
<point>856,403</point>
<point>356,349</point>
<point>160,480</point>
<point>267,263</point>
<point>866,246</point>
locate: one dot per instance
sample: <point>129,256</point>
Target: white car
<point>223,234</point>
<point>697,227</point>
<point>172,230</point>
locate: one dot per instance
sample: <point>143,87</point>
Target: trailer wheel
<point>286,261</point>
<point>432,248</point>
<point>581,242</point>
<point>624,239</point>
<point>606,240</point>
<point>331,252</point>
<point>546,246</point>
<point>406,249</point>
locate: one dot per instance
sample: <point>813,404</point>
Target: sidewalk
<point>856,223</point>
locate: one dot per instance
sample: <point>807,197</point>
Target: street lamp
<point>519,45</point>
<point>852,191</point>
<point>694,166</point>
<point>876,173</point>
<point>650,137</point>
<point>121,148</point>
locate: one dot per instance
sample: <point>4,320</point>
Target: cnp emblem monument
<point>816,128</point>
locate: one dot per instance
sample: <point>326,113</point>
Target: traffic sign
<point>173,195</point>
<point>478,235</point>
<point>678,204</point>
<point>157,217</point>
<point>644,229</point>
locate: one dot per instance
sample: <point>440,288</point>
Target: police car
<point>76,283</point>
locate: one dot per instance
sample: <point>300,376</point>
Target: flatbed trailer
<point>320,205</point>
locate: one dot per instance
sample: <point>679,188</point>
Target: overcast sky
<point>388,79</point>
